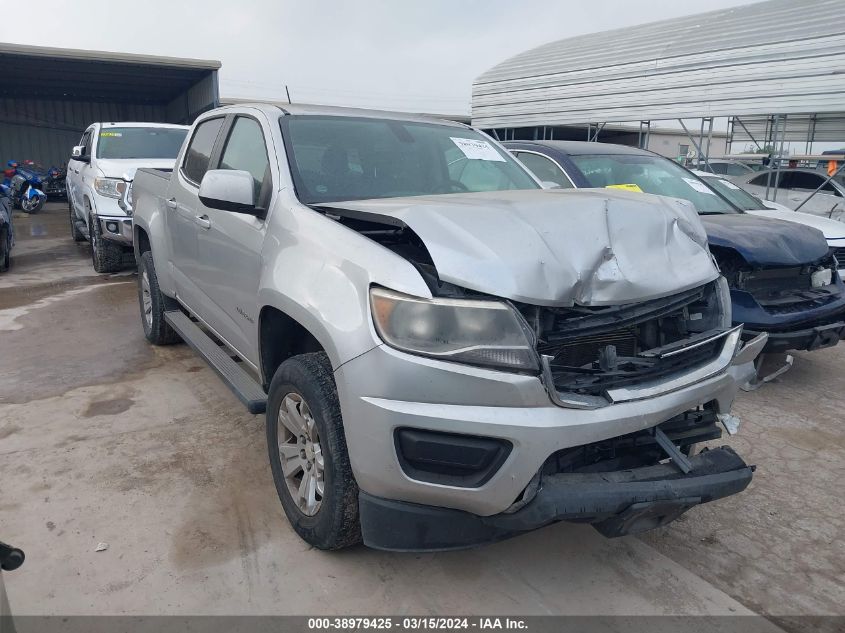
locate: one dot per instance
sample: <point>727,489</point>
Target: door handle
<point>170,203</point>
<point>203,221</point>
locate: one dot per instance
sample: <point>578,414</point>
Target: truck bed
<point>150,182</point>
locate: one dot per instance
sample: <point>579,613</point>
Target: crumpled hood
<point>126,168</point>
<point>557,247</point>
<point>831,229</point>
<point>765,241</point>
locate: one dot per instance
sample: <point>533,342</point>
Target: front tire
<point>153,303</point>
<point>106,256</point>
<point>28,206</point>
<point>308,455</point>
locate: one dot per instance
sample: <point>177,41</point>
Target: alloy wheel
<point>147,299</point>
<point>301,454</point>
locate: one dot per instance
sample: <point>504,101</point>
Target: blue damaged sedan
<point>783,276</point>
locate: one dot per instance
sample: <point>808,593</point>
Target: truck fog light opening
<point>450,459</point>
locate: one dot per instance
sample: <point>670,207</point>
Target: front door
<point>75,174</point>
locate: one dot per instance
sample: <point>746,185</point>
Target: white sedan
<point>834,231</point>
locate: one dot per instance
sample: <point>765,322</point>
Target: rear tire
<point>303,411</point>
<point>106,256</point>
<point>75,233</point>
<point>153,305</point>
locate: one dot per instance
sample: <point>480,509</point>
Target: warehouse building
<point>48,96</point>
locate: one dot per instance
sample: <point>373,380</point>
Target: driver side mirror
<point>77,154</point>
<point>229,190</point>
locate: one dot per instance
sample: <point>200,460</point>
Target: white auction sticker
<point>477,150</point>
<point>699,186</point>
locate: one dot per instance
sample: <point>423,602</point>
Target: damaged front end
<point>595,356</point>
<point>800,307</point>
<point>597,359</point>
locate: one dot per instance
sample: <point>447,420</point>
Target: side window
<point>760,181</point>
<point>477,175</point>
<point>198,154</point>
<point>734,170</point>
<point>86,143</point>
<point>808,182</point>
<point>544,168</point>
<point>245,150</point>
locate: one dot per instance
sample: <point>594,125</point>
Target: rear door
<point>229,243</point>
<point>182,206</point>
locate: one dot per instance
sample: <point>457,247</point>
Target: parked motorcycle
<point>7,235</point>
<point>55,184</point>
<point>27,186</point>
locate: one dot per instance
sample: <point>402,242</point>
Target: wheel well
<point>143,241</point>
<point>281,337</point>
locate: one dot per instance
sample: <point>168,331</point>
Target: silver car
<point>795,185</point>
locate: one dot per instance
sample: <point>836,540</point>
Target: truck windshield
<point>737,196</point>
<point>355,158</point>
<point>140,142</point>
<point>650,174</point>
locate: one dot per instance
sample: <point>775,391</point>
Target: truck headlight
<point>488,333</point>
<point>109,187</point>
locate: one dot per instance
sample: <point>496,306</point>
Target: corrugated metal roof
<point>777,56</point>
<point>106,56</point>
<point>57,73</point>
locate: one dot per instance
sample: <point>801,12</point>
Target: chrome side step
<point>245,387</point>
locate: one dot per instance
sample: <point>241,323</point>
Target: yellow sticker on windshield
<point>111,134</point>
<point>630,187</point>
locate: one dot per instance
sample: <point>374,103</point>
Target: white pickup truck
<point>447,353</point>
<point>99,179</point>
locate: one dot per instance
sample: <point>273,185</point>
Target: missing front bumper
<point>808,339</point>
<point>616,503</point>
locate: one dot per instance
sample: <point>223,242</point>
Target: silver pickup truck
<point>447,353</point>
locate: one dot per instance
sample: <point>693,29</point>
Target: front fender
<point>319,272</point>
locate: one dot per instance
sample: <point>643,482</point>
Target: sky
<point>418,56</point>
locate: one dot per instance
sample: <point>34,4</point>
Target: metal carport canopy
<point>48,96</point>
<point>61,73</point>
<point>780,56</point>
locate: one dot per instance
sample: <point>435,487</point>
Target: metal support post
<point>696,145</point>
<point>780,156</point>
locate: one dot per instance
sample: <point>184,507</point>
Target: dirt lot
<point>106,439</point>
